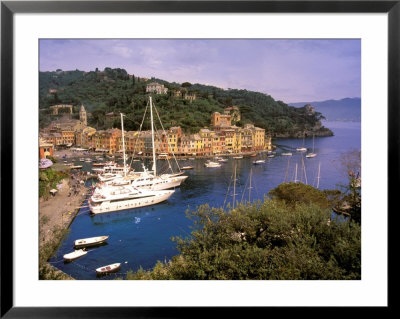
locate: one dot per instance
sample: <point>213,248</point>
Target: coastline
<point>56,214</point>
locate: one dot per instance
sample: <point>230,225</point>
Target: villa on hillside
<point>157,88</point>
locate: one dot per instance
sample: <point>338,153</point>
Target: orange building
<point>45,149</point>
<point>218,119</point>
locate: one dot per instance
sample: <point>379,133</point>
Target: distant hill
<point>348,109</point>
<point>107,93</point>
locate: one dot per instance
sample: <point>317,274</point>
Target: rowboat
<point>259,162</point>
<point>75,254</point>
<point>108,269</point>
<point>92,241</point>
<point>187,167</point>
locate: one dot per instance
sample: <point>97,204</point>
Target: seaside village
<point>221,138</point>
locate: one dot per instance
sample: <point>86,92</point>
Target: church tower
<point>82,115</point>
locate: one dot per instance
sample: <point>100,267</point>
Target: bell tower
<point>82,115</point>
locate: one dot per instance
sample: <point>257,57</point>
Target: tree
<point>186,84</point>
<point>264,240</point>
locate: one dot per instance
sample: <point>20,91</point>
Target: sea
<point>140,237</point>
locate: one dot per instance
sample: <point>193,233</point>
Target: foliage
<point>112,90</point>
<point>49,179</point>
<point>295,193</point>
<point>274,239</point>
<point>47,249</point>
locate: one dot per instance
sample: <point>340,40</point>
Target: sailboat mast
<point>152,137</point>
<point>123,143</point>
<point>319,170</point>
<point>251,173</point>
<point>234,187</point>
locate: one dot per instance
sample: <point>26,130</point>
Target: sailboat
<point>150,180</point>
<point>312,154</point>
<point>302,148</point>
<point>118,195</point>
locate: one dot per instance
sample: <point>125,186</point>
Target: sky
<point>290,70</point>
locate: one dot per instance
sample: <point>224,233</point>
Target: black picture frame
<point>9,8</point>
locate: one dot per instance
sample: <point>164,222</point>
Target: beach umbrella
<point>45,163</point>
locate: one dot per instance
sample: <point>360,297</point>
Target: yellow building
<point>174,135</point>
<point>68,137</point>
<point>198,144</point>
<point>207,137</point>
<point>107,140</point>
<point>258,138</point>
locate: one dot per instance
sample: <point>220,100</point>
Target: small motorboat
<point>108,269</point>
<point>76,166</point>
<point>98,164</point>
<point>187,167</point>
<point>272,155</point>
<point>75,254</point>
<point>222,160</point>
<point>238,157</point>
<point>212,164</point>
<point>92,241</point>
<point>301,149</point>
<point>253,155</point>
<point>287,154</point>
<point>259,162</point>
<point>309,155</point>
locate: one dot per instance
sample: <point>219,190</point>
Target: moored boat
<point>259,162</point>
<point>187,167</point>
<point>75,254</point>
<point>108,269</point>
<point>212,164</point>
<point>92,241</point>
<point>111,198</point>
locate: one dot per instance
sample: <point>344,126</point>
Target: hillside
<point>114,90</point>
<point>348,109</point>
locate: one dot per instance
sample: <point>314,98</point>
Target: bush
<point>274,239</point>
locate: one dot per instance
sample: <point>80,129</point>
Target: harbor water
<point>138,238</point>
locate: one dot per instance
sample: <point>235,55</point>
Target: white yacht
<point>147,179</point>
<point>115,198</point>
<point>212,164</point>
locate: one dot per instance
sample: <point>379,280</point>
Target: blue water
<point>140,237</point>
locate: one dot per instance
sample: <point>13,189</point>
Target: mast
<point>304,169</point>
<point>123,143</point>
<point>319,170</point>
<point>251,173</point>
<point>152,137</point>
<point>234,187</point>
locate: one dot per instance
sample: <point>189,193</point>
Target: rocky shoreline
<point>321,132</point>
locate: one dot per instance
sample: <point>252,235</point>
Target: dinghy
<point>93,241</point>
<point>108,269</point>
<point>75,254</point>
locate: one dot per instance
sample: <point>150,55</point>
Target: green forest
<point>289,236</point>
<point>114,91</point>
